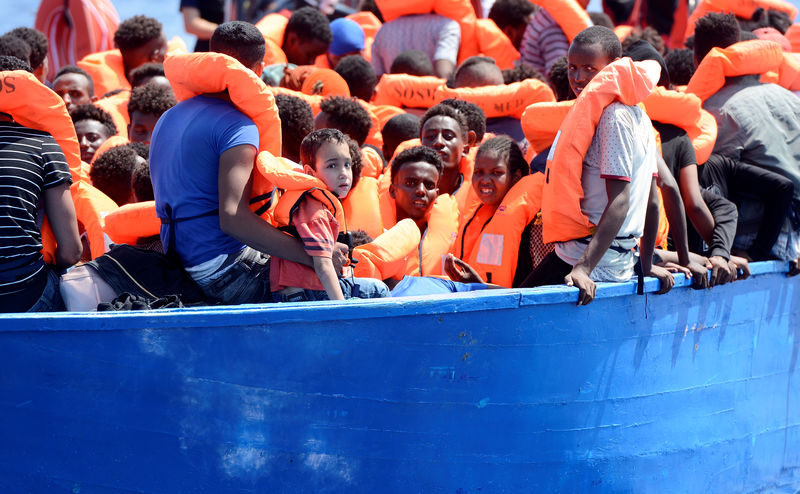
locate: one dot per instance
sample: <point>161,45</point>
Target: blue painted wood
<point>500,391</point>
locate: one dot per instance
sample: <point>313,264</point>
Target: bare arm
<point>237,220</point>
<point>696,208</point>
<point>648,242</point>
<point>326,273</point>
<point>64,223</point>
<point>443,68</point>
<point>194,24</point>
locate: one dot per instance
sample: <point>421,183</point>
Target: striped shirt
<point>30,162</point>
<point>433,34</point>
<point>543,42</point>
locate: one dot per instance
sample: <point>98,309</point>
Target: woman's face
<point>491,178</point>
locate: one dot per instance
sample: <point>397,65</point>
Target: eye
<point>430,185</point>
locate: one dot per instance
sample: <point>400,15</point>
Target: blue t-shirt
<point>411,286</point>
<point>187,143</point>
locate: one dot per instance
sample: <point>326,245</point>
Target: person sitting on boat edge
<point>616,173</point>
<point>202,156</point>
<point>325,154</point>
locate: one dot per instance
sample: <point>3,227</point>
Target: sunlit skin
<point>414,190</point>
<point>583,63</point>
<point>334,167</point>
<point>158,80</point>
<point>91,135</point>
<point>491,179</point>
<point>141,127</point>
<point>303,51</point>
<point>444,135</point>
<point>73,89</point>
<point>153,51</point>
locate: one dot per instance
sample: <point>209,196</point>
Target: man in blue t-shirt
<point>201,158</point>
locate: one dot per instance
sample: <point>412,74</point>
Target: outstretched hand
<point>460,271</point>
<point>581,280</point>
<point>665,277</point>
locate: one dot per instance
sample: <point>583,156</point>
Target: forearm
<point>648,241</point>
<point>196,25</point>
<point>250,229</point>
<point>673,207</point>
<point>443,68</point>
<point>326,273</point>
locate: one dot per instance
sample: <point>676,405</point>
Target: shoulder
<point>618,112</point>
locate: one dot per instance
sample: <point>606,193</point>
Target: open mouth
<point>485,191</point>
<point>420,204</point>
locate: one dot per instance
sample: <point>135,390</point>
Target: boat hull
<point>498,391</point>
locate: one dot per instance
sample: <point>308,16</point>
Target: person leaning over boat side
<point>33,170</point>
<point>202,154</point>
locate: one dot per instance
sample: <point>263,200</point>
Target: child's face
<point>334,167</point>
<point>443,135</point>
<point>584,62</point>
<point>491,178</point>
<point>414,189</point>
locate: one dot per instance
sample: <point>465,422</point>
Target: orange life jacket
<point>623,31</point>
<point>493,42</point>
<point>793,35</point>
<point>407,91</point>
<point>568,14</point>
<point>540,122</point>
<point>623,80</point>
<point>508,100</point>
<point>362,208</point>
<point>198,73</point>
<point>684,111</point>
<point>789,72</point>
<point>111,142</point>
<point>273,27</point>
<point>740,8</point>
<point>743,58</point>
<point>387,255</point>
<point>117,106</point>
<point>493,247</point>
<point>91,207</point>
<point>384,113</point>
<point>132,221</point>
<point>372,164</point>
<point>313,100</point>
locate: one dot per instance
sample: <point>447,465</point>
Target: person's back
<point>435,35</point>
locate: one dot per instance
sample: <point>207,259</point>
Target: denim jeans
<point>243,279</point>
<point>351,288</point>
<point>50,300</point>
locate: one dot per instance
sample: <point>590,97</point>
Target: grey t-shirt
<point>435,35</point>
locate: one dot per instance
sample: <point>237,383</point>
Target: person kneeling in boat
<point>316,216</point>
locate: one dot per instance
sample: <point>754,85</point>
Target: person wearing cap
<point>348,39</point>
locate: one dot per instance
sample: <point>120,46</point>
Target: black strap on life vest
<point>171,221</point>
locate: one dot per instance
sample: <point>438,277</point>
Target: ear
<point>309,171</point>
<point>472,139</point>
<point>391,191</point>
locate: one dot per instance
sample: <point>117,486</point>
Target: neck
<point>450,180</point>
<point>223,95</point>
<point>422,223</point>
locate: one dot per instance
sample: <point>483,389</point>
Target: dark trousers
<point>551,271</point>
<point>736,179</point>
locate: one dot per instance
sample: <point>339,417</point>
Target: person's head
<point>297,121</point>
<point>345,114</point>
<point>412,62</point>
<point>601,19</point>
<point>141,149</point>
<point>14,46</point>
<point>140,39</point>
<point>415,182</point>
<point>512,17</point>
<point>680,65</point>
<point>242,41</point>
<point>348,39</point>
<point>141,185</point>
<point>145,107</point>
<point>359,75</point>
<point>39,48</point>
<point>93,127</point>
<point>325,154</point>
<point>307,36</point>
<point>559,80</point>
<point>476,72</point>
<point>398,129</point>
<point>779,20</point>
<point>714,30</point>
<point>648,34</point>
<point>642,50</point>
<point>520,73</point>
<point>8,62</point>
<point>112,171</point>
<point>475,117</point>
<point>74,85</point>
<point>444,129</point>
<point>149,72</point>
<point>590,51</point>
<point>499,164</point>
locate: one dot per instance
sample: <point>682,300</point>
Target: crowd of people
<point>357,151</point>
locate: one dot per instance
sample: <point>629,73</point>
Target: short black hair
<point>138,30</point>
<point>510,12</point>
<point>441,110</point>
<point>601,19</point>
<point>473,114</point>
<point>506,148</point>
<point>297,121</point>
<point>475,71</point>
<point>145,71</point>
<point>648,34</point>
<point>559,80</point>
<point>347,115</point>
<point>240,40</point>
<point>714,30</point>
<point>356,161</point>
<point>779,19</point>
<point>309,23</point>
<point>141,149</point>
<point>398,129</point>
<point>415,155</point>
<point>151,99</point>
<point>8,62</point>
<point>37,42</point>
<point>74,69</point>
<point>359,76</point>
<point>90,112</point>
<point>111,173</point>
<point>412,62</point>
<point>522,72</point>
<point>603,36</point>
<point>680,64</point>
<point>14,46</point>
<point>140,181</point>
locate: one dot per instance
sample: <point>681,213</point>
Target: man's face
<point>73,89</point>
<point>153,51</point>
<point>583,63</point>
<point>414,189</point>
<point>443,135</point>
<point>91,135</point>
<point>303,51</point>
<point>141,127</point>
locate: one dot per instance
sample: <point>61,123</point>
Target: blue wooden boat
<point>499,391</point>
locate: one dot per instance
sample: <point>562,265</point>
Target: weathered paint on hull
<point>501,391</point>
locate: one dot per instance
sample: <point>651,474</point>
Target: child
<point>325,154</point>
